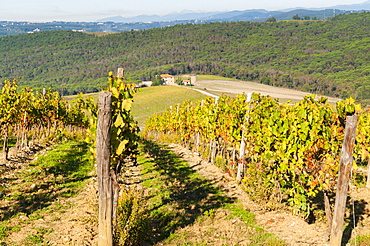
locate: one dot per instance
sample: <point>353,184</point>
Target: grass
<point>4,230</point>
<point>59,173</point>
<point>179,197</point>
<point>35,239</point>
<point>156,99</point>
<point>361,240</point>
<point>178,194</point>
<point>237,210</point>
<point>69,160</point>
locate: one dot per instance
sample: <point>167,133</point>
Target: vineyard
<point>31,121</point>
<point>29,114</point>
<point>34,122</point>
<point>287,153</point>
<point>283,155</point>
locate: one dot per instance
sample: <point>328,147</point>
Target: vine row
<point>291,151</point>
<point>29,114</point>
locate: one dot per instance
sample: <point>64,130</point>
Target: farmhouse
<point>186,82</point>
<point>168,79</point>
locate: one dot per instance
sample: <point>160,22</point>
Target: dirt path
<point>77,224</point>
<point>292,229</point>
<point>239,87</point>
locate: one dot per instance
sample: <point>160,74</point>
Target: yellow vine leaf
<point>350,100</point>
<point>119,121</point>
<point>115,92</point>
<point>358,107</point>
<point>126,104</point>
<point>354,165</point>
<point>93,151</point>
<point>121,147</point>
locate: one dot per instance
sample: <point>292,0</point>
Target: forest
<point>328,57</point>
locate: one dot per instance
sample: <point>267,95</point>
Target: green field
<point>151,100</point>
<point>156,99</point>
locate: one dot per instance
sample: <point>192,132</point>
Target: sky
<point>92,10</point>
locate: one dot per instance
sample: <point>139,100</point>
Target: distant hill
<point>359,6</point>
<point>324,57</point>
<point>237,15</point>
<point>246,15</point>
<point>156,18</point>
<point>144,22</point>
<point>318,14</point>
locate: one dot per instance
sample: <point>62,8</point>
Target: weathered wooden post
<point>213,144</point>
<point>5,145</point>
<point>368,173</point>
<point>105,231</point>
<point>24,134</point>
<point>239,174</point>
<point>197,138</point>
<point>328,213</point>
<point>120,73</point>
<point>344,174</point>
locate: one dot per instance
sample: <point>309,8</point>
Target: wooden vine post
<point>105,230</point>
<point>239,174</point>
<point>368,173</point>
<point>213,142</point>
<point>197,138</point>
<point>120,73</point>
<point>344,175</point>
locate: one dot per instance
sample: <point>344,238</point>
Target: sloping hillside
<point>324,57</point>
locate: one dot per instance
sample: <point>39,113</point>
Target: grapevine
<point>45,115</point>
<point>292,150</point>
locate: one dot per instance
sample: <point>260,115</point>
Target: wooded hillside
<point>324,57</point>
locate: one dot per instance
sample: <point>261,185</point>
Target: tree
<point>271,19</point>
<point>296,17</point>
<point>157,81</point>
<point>179,81</point>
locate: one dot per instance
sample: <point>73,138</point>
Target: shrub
<point>132,225</point>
